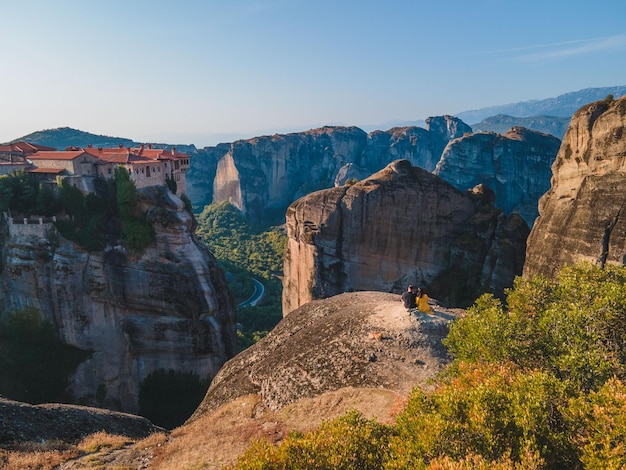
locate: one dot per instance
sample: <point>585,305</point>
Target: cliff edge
<point>583,215</point>
<point>167,308</point>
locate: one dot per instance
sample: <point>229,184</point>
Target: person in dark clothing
<point>408,299</point>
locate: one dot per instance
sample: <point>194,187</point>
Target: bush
<point>497,412</point>
<point>573,327</point>
<point>536,383</point>
<point>599,424</point>
<point>348,442</point>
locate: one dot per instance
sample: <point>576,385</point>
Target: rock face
<point>168,308</point>
<point>368,342</point>
<point>515,165</point>
<point>402,225</point>
<point>21,422</point>
<point>583,215</point>
<point>262,176</point>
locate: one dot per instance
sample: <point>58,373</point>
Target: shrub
<point>599,424</point>
<point>573,327</point>
<point>493,411</point>
<point>348,442</point>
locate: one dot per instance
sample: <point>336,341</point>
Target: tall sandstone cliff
<point>262,176</point>
<point>168,308</point>
<point>402,225</point>
<point>583,215</point>
<point>515,165</point>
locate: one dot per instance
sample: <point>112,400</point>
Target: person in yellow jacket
<point>422,302</point>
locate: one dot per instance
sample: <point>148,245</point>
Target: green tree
<point>137,233</point>
<point>19,193</point>
<point>245,252</point>
<point>168,398</point>
<point>35,366</point>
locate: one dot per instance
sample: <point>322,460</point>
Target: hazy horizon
<point>201,73</point>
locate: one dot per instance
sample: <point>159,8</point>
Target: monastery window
<point>109,171</point>
<point>136,171</point>
<point>147,172</point>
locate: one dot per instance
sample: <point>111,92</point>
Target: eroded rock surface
<point>168,308</point>
<point>353,340</point>
<point>263,175</point>
<point>583,215</point>
<point>402,225</point>
<point>22,422</point>
<point>515,165</point>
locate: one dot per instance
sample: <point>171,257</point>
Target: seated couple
<point>412,299</point>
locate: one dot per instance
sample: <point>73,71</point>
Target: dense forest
<point>245,252</point>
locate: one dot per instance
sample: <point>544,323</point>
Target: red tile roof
<point>46,170</point>
<point>48,155</point>
<point>24,147</point>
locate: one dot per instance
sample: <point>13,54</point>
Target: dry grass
<point>35,456</point>
<point>97,450</point>
<point>101,440</point>
<point>217,439</point>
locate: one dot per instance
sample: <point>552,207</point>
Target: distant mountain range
<point>501,123</point>
<point>549,115</point>
<point>561,106</point>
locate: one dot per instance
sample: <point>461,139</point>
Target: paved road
<point>257,295</point>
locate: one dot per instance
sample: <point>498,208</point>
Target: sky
<point>207,71</point>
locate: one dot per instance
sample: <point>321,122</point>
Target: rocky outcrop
<point>360,340</point>
<point>262,176</point>
<point>21,422</point>
<point>168,308</point>
<point>583,215</point>
<point>515,165</point>
<point>402,225</point>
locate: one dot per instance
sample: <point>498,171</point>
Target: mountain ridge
<point>560,106</point>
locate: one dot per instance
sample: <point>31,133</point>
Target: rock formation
<point>21,422</point>
<point>515,165</point>
<point>360,340</point>
<point>262,176</point>
<point>583,215</point>
<point>168,308</point>
<point>402,225</point>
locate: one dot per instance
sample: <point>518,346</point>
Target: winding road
<point>257,295</point>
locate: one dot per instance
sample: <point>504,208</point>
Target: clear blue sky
<point>204,71</point>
